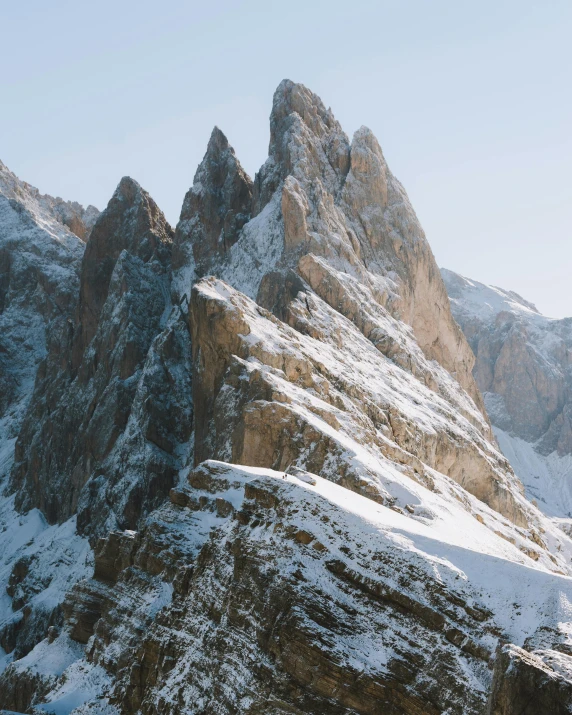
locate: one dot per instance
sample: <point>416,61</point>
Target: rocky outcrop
<point>258,591</point>
<point>271,396</point>
<point>320,195</point>
<point>133,223</point>
<point>112,403</point>
<point>215,208</point>
<point>531,683</point>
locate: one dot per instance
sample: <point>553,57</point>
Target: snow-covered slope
<point>524,369</point>
<point>263,591</point>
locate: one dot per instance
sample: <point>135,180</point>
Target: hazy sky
<point>471,102</point>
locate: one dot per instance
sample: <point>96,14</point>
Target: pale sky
<point>471,103</point>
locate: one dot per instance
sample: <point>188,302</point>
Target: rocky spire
<point>341,203</point>
<point>215,208</point>
<point>133,222</point>
<point>305,140</point>
<point>123,295</point>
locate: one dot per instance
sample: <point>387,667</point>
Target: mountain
<point>255,447</point>
<point>41,244</point>
<point>40,258</point>
<point>524,370</point>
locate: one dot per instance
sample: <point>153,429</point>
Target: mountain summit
<point>254,472</point>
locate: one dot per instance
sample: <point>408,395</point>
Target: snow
<point>83,683</point>
<point>484,301</point>
<point>59,556</point>
<point>546,478</point>
<point>54,658</point>
<point>47,212</point>
<point>257,251</point>
<point>521,594</point>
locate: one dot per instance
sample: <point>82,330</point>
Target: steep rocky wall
<point>39,276</point>
<point>319,194</point>
<point>268,395</point>
<point>112,403</point>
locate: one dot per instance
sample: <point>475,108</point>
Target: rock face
<point>214,210</point>
<point>39,266</point>
<point>40,261</point>
<point>284,468</point>
<point>258,591</point>
<point>269,396</point>
<point>111,406</point>
<point>524,369</point>
<point>324,197</point>
<point>529,683</point>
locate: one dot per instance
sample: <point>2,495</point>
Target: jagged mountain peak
<point>306,141</point>
<point>111,362</point>
<point>130,197</point>
<point>294,98</point>
<point>218,162</point>
<point>218,141</point>
<point>128,189</point>
<point>302,440</point>
<point>215,208</point>
<point>131,222</point>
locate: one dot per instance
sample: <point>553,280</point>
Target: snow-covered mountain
<point>40,257</point>
<point>255,447</point>
<point>39,262</point>
<point>524,370</point>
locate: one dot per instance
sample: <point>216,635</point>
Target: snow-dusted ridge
<point>321,537</point>
<point>57,217</point>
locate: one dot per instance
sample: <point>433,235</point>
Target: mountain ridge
<point>262,439</point>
